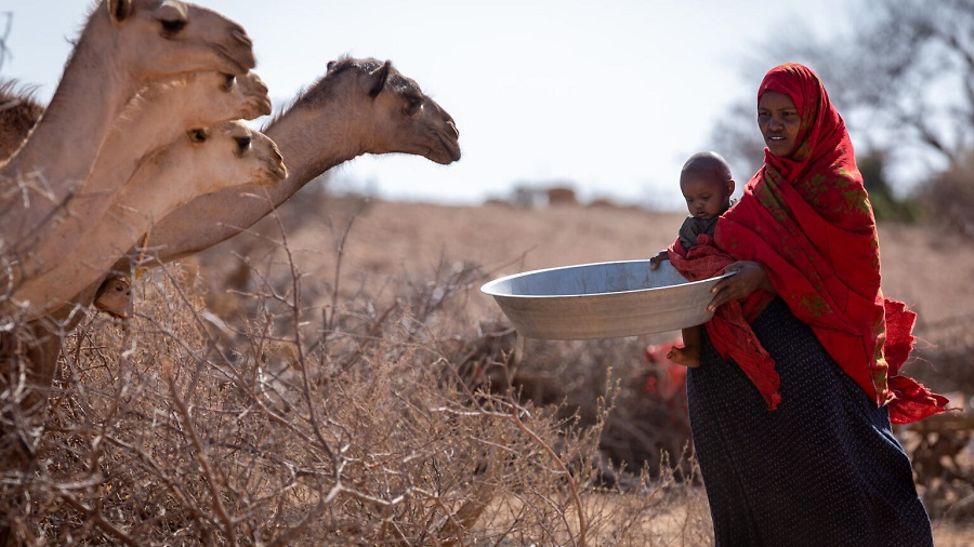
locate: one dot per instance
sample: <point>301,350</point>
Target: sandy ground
<point>389,240</point>
<point>930,272</point>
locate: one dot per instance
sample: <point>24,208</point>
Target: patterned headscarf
<point>807,219</point>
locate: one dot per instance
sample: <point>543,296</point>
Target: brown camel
<point>124,45</point>
<point>201,162</point>
<point>156,117</point>
<point>359,106</point>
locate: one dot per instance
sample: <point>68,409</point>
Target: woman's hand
<point>750,277</point>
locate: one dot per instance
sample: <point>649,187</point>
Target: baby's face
<point>707,196</point>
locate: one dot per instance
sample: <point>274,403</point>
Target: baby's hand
<point>655,261</point>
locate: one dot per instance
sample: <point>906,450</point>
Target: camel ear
<point>380,76</point>
<point>171,10</point>
<point>119,10</point>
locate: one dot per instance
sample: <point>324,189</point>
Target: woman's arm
<point>750,277</point>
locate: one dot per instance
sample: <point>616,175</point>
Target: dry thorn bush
<point>344,423</point>
<point>315,412</point>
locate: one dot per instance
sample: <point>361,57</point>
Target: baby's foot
<point>688,357</point>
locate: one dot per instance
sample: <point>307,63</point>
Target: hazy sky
<point>611,95</point>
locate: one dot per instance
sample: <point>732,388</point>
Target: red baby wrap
<point>807,219</point>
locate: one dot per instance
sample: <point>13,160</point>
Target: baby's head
<point>706,184</point>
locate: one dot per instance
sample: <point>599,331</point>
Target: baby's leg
<point>689,354</point>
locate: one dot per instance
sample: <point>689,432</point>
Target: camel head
<point>114,297</point>
<point>200,162</point>
<point>206,98</point>
<point>226,155</point>
<point>395,113</point>
<point>155,38</point>
<point>251,89</point>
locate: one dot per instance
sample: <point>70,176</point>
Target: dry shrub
<point>348,423</point>
<point>571,375</point>
<point>647,426</point>
<point>948,197</point>
<point>942,447</point>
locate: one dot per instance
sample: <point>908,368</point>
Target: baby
<point>707,185</point>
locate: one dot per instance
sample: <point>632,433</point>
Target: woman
<point>801,451</point>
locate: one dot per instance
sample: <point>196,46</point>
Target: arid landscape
<point>205,340</point>
<point>928,269</point>
<point>334,376</point>
<point>389,249</point>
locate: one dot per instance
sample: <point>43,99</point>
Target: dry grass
<point>348,424</point>
<point>375,399</point>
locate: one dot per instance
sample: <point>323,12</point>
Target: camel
<point>124,45</point>
<point>114,297</point>
<point>360,106</point>
<point>200,162</point>
<point>155,117</point>
<point>18,114</point>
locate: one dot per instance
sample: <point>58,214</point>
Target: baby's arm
<point>660,257</point>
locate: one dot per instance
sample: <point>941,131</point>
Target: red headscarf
<point>807,219</point>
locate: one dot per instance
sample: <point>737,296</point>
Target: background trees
<point>903,78</point>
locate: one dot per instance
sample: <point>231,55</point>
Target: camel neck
<point>127,143</point>
<point>130,216</point>
<point>314,141</point>
<point>59,152</point>
<point>144,200</point>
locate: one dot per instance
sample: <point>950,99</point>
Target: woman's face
<point>779,121</point>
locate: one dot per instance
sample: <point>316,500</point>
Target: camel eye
<point>412,104</point>
<point>243,143</point>
<point>228,80</point>
<point>197,135</point>
<point>173,26</point>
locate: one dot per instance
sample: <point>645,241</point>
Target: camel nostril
<point>453,126</point>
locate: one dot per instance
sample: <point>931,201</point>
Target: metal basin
<point>602,300</point>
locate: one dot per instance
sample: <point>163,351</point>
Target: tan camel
<point>200,162</point>
<point>18,114</point>
<point>156,117</point>
<point>360,106</point>
<point>115,297</point>
<point>124,45</point>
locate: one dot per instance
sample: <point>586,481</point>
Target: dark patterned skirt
<point>823,469</point>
